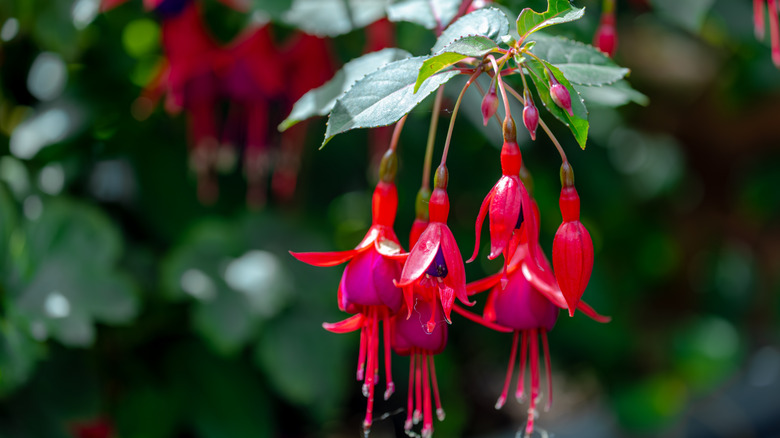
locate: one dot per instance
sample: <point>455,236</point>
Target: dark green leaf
<point>320,101</point>
<point>558,11</point>
<point>474,46</point>
<point>582,64</point>
<point>490,23</point>
<point>426,13</point>
<point>578,124</point>
<point>333,17</point>
<point>383,97</point>
<point>18,354</point>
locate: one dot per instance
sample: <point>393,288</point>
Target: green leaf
<point>470,46</point>
<point>558,11</point>
<point>436,64</point>
<point>582,64</point>
<point>320,101</point>
<point>617,94</point>
<point>333,17</point>
<point>18,355</point>
<point>426,13</point>
<point>383,97</point>
<point>578,124</point>
<point>489,22</point>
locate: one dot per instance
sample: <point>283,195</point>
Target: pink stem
<point>774,31</point>
<point>510,368</point>
<point>758,18</point>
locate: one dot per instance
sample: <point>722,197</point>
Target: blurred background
<point>143,296</point>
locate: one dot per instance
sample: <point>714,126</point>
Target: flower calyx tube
<point>605,38</point>
<point>489,104</point>
<point>572,247</point>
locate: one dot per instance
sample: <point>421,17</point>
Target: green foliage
<point>558,11</point>
<point>382,97</point>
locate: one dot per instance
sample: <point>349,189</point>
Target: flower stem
<point>455,114</point>
<point>542,124</point>
<point>497,78</point>
<point>426,176</point>
<point>399,126</point>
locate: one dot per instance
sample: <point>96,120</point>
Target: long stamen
<point>427,430</point>
<point>547,369</point>
<point>370,382</point>
<point>361,371</point>
<point>439,411</point>
<point>410,397</point>
<point>390,388</point>
<point>529,427</point>
<point>418,389</point>
<point>519,393</point>
<point>510,368</point>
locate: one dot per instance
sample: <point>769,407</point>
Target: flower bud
<point>572,250</point>
<point>388,167</point>
<point>489,104</point>
<point>559,94</point>
<point>530,115</point>
<point>605,38</point>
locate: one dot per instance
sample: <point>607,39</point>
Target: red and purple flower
<point>435,260</point>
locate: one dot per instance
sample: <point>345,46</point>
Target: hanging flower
<point>507,203</point>
<point>435,260</point>
<point>367,286</point>
<point>527,305</point>
<point>572,247</point>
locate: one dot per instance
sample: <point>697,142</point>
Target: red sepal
<point>350,324</point>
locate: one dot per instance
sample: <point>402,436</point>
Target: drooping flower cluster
<point>772,8</point>
<point>198,74</point>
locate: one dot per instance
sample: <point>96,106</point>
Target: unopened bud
<point>530,115</point>
<point>489,105</point>
<point>559,94</point>
<point>605,38</point>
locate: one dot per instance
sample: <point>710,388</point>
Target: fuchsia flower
<point>559,94</point>
<point>507,203</point>
<point>367,288</point>
<point>527,305</point>
<point>774,27</point>
<point>530,114</point>
<point>435,260</point>
<point>572,247</point>
<point>605,38</point>
<point>489,104</point>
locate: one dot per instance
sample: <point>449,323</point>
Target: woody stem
<point>455,114</point>
<point>542,124</point>
<point>431,138</point>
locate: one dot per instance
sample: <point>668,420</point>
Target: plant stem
<point>542,124</point>
<point>455,114</point>
<point>399,126</point>
<point>426,176</point>
<point>497,78</point>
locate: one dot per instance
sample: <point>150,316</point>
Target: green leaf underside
<point>333,17</point>
<point>558,11</point>
<point>471,46</point>
<point>582,64</point>
<point>320,101</point>
<point>424,12</point>
<point>617,94</point>
<point>490,23</point>
<point>382,97</point>
<point>578,124</point>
